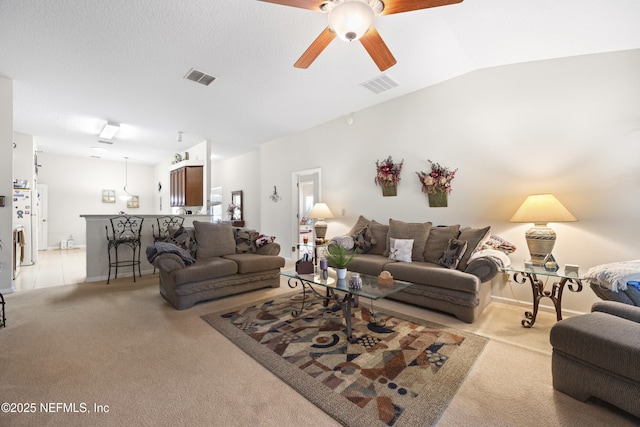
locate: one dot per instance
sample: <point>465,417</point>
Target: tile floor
<point>54,267</point>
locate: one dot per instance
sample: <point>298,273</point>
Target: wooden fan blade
<point>399,6</point>
<point>377,49</point>
<point>315,49</point>
<point>302,4</point>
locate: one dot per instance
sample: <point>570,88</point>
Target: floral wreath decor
<point>388,173</point>
<point>438,180</point>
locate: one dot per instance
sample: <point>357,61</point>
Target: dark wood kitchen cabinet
<point>186,186</point>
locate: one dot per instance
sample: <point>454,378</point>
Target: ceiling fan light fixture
<point>351,19</point>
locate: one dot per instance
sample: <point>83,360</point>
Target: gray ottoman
<point>598,355</point>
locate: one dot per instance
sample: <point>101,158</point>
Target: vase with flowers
<point>437,183</point>
<point>233,211</point>
<point>388,176</point>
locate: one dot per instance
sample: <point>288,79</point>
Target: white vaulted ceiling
<point>76,64</point>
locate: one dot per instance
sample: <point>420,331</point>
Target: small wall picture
<point>133,202</point>
<point>108,196</point>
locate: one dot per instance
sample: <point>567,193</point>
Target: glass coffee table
<point>338,290</point>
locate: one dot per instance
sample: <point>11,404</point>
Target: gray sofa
<point>598,355</point>
<point>460,288</point>
<point>227,261</point>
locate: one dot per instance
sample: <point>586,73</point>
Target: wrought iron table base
<point>349,300</point>
<point>3,320</point>
<point>555,294</point>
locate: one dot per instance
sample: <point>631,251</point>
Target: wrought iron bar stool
<point>166,226</point>
<point>125,231</point>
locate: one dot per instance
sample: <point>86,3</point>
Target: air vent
<point>380,84</point>
<point>105,142</point>
<point>199,77</point>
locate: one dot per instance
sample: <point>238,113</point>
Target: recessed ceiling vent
<point>199,77</point>
<point>380,84</point>
<point>105,142</point>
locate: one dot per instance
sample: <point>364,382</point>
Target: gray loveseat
<point>460,287</point>
<point>227,261</point>
<point>598,355</point>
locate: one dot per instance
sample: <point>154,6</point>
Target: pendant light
<point>127,196</point>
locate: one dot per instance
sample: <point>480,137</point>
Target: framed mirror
<point>236,200</point>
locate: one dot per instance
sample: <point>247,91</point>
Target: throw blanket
<point>160,248</point>
<point>614,276</point>
<point>499,257</point>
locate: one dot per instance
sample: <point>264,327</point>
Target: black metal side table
<point>3,320</point>
<point>523,274</point>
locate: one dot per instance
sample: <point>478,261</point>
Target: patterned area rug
<point>400,372</point>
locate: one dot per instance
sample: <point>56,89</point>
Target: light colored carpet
<point>123,346</point>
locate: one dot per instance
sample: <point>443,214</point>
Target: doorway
<point>306,193</point>
<point>42,196</point>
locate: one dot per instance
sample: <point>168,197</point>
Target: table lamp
<point>319,212</point>
<point>541,209</point>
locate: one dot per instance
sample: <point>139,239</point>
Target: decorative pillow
<point>453,253</point>
<point>360,224</point>
<point>183,239</point>
<point>409,230</point>
<point>499,244</point>
<point>246,240</point>
<point>437,241</point>
<point>214,239</point>
<point>364,240</point>
<point>474,237</point>
<point>264,240</point>
<point>400,249</point>
<point>380,232</point>
<point>344,241</point>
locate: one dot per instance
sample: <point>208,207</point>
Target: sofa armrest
<point>168,262</point>
<point>269,249</point>
<point>625,311</point>
<point>484,268</point>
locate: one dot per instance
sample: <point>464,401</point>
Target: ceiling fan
<point>353,20</point>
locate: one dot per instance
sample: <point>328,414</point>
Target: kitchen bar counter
<point>97,257</point>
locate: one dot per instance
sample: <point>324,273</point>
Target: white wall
<point>569,126</point>
<point>242,173</point>
<point>75,188</point>
<point>6,186</point>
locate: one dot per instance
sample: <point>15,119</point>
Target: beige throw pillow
<point>437,241</point>
<point>380,233</point>
<point>475,238</point>
<point>214,239</point>
<point>418,231</point>
<point>359,226</point>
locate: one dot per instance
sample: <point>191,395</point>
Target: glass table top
<point>542,271</point>
<point>370,287</point>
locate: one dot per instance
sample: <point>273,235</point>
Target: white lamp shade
<point>541,209</point>
<point>351,19</point>
<point>320,211</point>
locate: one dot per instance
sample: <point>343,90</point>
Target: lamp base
<point>540,240</point>
<point>320,229</point>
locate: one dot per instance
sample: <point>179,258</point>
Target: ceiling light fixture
<point>350,19</point>
<point>109,130</point>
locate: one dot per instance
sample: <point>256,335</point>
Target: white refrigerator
<point>25,215</point>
